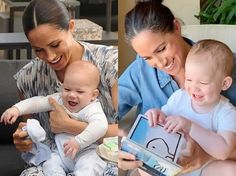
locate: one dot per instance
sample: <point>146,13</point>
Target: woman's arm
<point>22,143</point>
<point>113,128</point>
<point>114,94</point>
<point>61,122</point>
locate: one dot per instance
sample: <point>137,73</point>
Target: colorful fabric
<point>37,78</point>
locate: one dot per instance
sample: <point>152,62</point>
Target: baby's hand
<point>155,116</point>
<point>177,123</point>
<point>71,148</point>
<point>10,115</point>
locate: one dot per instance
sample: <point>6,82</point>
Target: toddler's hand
<point>177,123</point>
<point>10,115</point>
<point>155,116</point>
<point>71,148</point>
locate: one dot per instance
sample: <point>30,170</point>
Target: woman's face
<point>164,51</point>
<point>52,45</point>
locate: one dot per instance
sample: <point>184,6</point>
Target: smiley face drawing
<point>162,143</point>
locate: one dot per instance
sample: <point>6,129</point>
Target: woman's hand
<point>22,143</point>
<point>127,161</point>
<point>192,157</point>
<point>58,117</point>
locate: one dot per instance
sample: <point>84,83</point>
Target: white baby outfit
<point>39,152</point>
<point>87,157</point>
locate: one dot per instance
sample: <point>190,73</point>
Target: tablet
<point>154,146</point>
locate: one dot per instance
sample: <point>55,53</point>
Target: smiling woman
<point>56,47</point>
<point>158,69</point>
<point>161,57</point>
<point>49,29</point>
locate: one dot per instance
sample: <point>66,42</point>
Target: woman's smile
<point>56,60</point>
<point>170,65</point>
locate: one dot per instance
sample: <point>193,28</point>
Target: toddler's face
<point>203,82</point>
<point>77,92</point>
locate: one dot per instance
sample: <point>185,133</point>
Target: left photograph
<point>59,96</point>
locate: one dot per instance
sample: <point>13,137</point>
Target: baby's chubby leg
<point>54,166</point>
<point>89,163</point>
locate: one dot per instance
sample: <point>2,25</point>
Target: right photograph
<point>177,88</point>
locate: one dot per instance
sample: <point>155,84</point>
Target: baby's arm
<point>155,116</point>
<point>34,105</point>
<point>28,106</point>
<point>10,115</point>
<point>219,145</point>
<point>97,128</point>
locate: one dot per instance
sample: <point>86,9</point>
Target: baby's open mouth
<point>71,103</point>
<point>197,97</point>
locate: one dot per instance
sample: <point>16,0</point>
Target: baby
<point>79,99</point>
<point>200,110</point>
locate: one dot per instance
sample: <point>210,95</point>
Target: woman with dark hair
<point>158,71</point>
<point>48,28</point>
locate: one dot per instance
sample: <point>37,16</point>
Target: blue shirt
<point>146,87</point>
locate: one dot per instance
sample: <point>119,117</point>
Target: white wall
<point>223,33</point>
<point>184,9</point>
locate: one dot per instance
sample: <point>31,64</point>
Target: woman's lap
<point>33,171</point>
<point>111,170</point>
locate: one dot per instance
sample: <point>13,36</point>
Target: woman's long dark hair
<point>148,15</point>
<point>52,12</point>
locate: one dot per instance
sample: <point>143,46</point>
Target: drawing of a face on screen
<point>162,143</point>
<point>156,139</point>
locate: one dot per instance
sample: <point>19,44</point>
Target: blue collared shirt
<point>146,87</point>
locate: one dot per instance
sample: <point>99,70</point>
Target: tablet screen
<point>156,139</point>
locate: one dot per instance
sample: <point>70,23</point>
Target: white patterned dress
<point>38,78</point>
